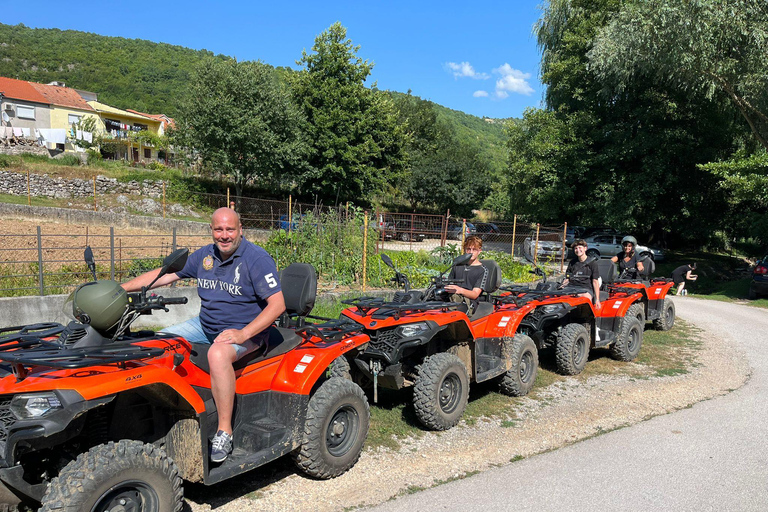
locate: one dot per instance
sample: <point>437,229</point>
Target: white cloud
<point>465,69</point>
<point>512,81</point>
<point>480,94</point>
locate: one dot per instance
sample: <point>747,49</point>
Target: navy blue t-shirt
<point>232,292</point>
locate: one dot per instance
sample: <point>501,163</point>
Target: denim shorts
<point>193,332</point>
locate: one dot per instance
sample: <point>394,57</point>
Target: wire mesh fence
<point>340,242</point>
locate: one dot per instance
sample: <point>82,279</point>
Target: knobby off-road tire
<point>667,318</point>
<point>441,391</point>
<point>630,339</point>
<point>340,367</point>
<point>637,310</point>
<point>334,432</point>
<point>519,379</point>
<point>572,349</point>
<point>127,475</point>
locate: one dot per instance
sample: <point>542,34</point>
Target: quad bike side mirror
<point>462,260</point>
<point>387,261</point>
<point>90,261</point>
<point>172,263</point>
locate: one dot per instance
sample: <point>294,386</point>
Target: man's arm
<point>596,290</point>
<point>470,294</point>
<point>275,308</point>
<point>138,282</point>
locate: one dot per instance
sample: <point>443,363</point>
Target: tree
<point>708,46</point>
<point>239,119</point>
<point>356,144</point>
<point>622,157</point>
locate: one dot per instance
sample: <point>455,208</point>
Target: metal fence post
<point>514,233</point>
<point>562,256</point>
<point>112,253</point>
<point>174,240</point>
<point>40,260</point>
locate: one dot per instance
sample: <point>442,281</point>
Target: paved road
<point>713,456</point>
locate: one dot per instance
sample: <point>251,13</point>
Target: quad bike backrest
<point>649,267</point>
<point>607,270</point>
<point>492,282</point>
<point>299,284</point>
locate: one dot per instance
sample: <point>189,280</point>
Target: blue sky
<point>477,57</point>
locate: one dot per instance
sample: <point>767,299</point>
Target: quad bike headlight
<point>35,405</point>
<point>410,330</point>
<point>551,308</point>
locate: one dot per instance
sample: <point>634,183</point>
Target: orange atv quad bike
<point>653,305</point>
<point>571,324</point>
<point>420,340</point>
<point>96,417</point>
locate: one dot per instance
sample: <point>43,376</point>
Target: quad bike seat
<point>299,284</point>
<point>649,267</point>
<point>484,306</point>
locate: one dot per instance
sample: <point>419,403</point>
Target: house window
<point>147,153</point>
<point>73,119</point>
<point>25,112</point>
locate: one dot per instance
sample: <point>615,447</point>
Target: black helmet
<point>630,239</point>
<point>100,304</point>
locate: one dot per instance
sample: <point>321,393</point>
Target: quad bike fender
<point>144,375</point>
<point>301,368</point>
<point>658,290</point>
<point>618,306</point>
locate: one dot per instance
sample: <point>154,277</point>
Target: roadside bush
<point>93,156</point>
<point>70,160</point>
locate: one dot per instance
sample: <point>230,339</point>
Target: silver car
<point>608,246</point>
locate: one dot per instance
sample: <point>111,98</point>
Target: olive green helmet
<point>100,304</point>
<point>629,239</point>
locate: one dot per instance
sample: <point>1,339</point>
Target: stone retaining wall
<point>41,185</point>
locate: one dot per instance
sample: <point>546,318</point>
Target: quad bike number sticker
<point>303,363</point>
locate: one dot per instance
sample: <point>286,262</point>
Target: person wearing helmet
<point>240,299</point>
<point>627,259</point>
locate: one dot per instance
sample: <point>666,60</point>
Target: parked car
<point>453,231</point>
<point>487,230</point>
<point>572,233</point>
<point>598,230</point>
<point>407,230</point>
<point>548,247</point>
<point>759,284</point>
<point>386,226</point>
<point>608,246</point>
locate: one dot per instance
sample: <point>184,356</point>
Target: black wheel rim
<point>579,350</point>
<point>129,496</point>
<point>526,367</point>
<point>341,433</point>
<point>450,393</point>
<point>670,317</point>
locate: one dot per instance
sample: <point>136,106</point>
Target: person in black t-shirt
<point>627,259</point>
<point>582,274</point>
<point>474,274</point>
<point>680,274</point>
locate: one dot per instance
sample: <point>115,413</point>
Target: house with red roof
<point>23,107</point>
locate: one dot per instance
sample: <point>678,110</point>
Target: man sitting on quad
<point>582,274</point>
<point>473,274</point>
<point>240,297</point>
<point>629,265</point>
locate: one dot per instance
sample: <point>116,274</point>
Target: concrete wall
<point>42,115</point>
<point>17,311</point>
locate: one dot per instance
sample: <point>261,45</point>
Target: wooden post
<point>227,196</point>
<point>463,232</point>
<point>29,192</point>
<point>562,256</point>
<point>536,247</point>
<point>94,193</point>
<point>514,229</point>
<point>365,248</point>
<point>163,199</point>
